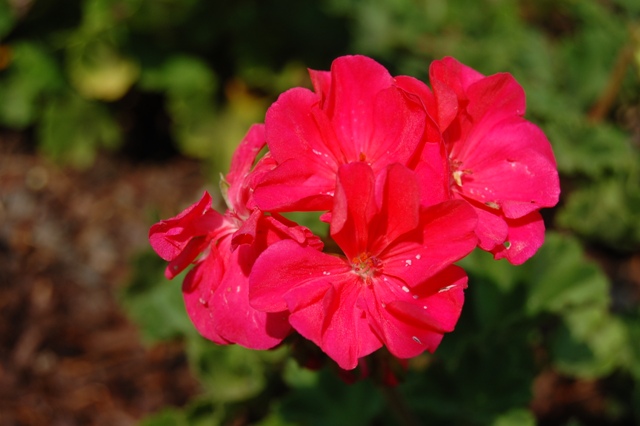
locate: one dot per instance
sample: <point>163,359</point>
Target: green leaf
<point>32,74</point>
<point>561,278</point>
<point>516,417</point>
<point>155,303</point>
<point>228,373</point>
<point>72,129</point>
<point>7,18</point>
<point>591,344</point>
<point>607,211</point>
<point>331,402</point>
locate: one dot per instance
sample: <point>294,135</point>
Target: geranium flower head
<point>357,113</point>
<point>394,285</point>
<point>224,248</point>
<point>499,162</point>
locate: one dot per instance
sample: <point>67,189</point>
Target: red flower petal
<point>526,235</point>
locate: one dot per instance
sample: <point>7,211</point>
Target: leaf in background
<point>607,212</point>
<point>98,70</point>
<point>591,344</point>
<point>329,401</point>
<point>593,150</point>
<point>7,18</point>
<point>72,129</point>
<point>516,417</point>
<point>31,74</point>
<point>199,412</point>
<point>560,278</point>
<point>155,303</point>
<point>228,373</point>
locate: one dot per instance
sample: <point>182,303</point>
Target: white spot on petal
<point>415,339</point>
<point>405,289</point>
<point>447,288</point>
<point>202,301</point>
<point>407,262</point>
<point>415,296</point>
<point>326,273</point>
<point>238,289</point>
<point>418,256</point>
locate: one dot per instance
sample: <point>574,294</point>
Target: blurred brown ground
<point>68,355</point>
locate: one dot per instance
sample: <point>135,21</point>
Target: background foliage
<point>159,78</point>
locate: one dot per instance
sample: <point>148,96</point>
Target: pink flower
<point>499,162</point>
<point>224,248</point>
<point>395,284</point>
<point>357,113</point>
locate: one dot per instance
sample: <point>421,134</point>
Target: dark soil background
<point>68,354</point>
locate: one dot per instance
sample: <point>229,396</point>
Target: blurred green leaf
<point>200,412</point>
<point>560,278</point>
<point>7,18</point>
<point>72,129</point>
<point>228,373</point>
<point>607,212</point>
<point>592,344</point>
<point>155,303</point>
<point>516,417</point>
<point>32,73</point>
<point>331,402</point>
<point>98,71</point>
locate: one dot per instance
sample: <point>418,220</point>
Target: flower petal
<point>409,327</point>
<point>235,319</point>
<point>446,234</point>
<point>512,166</point>
<point>233,185</point>
<point>285,265</point>
<point>197,288</point>
<point>295,185</point>
<point>353,209</point>
<point>355,84</point>
<point>526,235</point>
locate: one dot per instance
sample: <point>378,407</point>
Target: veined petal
<point>284,266</point>
<point>169,237</point>
<point>321,81</point>
<point>354,207</point>
<point>398,201</point>
<point>188,254</point>
<point>197,289</point>
<point>398,129</point>
<point>497,95</point>
<point>432,171</point>
<point>446,234</point>
<point>233,187</point>
<point>235,319</point>
<point>525,236</point>
<point>355,84</point>
<point>421,91</point>
<point>409,326</point>
<point>293,130</point>
<point>491,230</point>
<point>296,185</point>
<point>346,334</point>
<point>511,166</point>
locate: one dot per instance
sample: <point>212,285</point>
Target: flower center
<point>367,266</point>
<point>457,172</point>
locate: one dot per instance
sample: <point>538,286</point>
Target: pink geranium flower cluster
<point>410,180</point>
